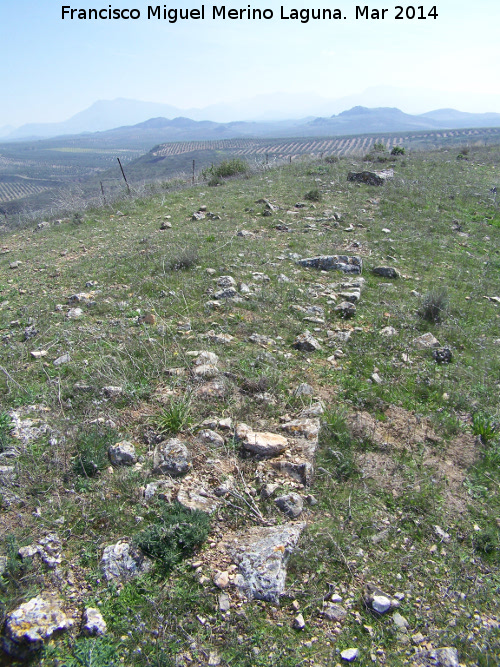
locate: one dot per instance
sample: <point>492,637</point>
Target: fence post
<point>123,174</point>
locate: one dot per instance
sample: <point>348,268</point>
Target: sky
<point>52,68</point>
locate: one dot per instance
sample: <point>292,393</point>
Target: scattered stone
<point>245,234</point>
<point>162,489</point>
<point>439,657</point>
<point>123,561</point>
<point>94,624</point>
<point>147,318</point>
<point>380,604</point>
<point>298,622</point>
<point>426,341</point>
<point>314,410</point>
<point>28,551</point>
<point>261,340</point>
<point>33,623</point>
<point>50,548</point>
<point>304,389</point>
<point>261,443</point>
<point>346,309</point>
<point>171,457</point>
<point>442,355</point>
<point>221,580</point>
<point>304,428</point>
<point>417,638</point>
<point>193,495</point>
<point>209,437</point>
<point>292,505</point>
<point>74,313</point>
<point>226,293</point>
<point>282,278</point>
<point>63,359</point>
<point>198,215</point>
<point>334,612</point>
<point>226,424</point>
<point>207,371</point>
<point>226,281</point>
<point>122,454</point>
<point>388,331</point>
<point>306,342</point>
<point>376,378</point>
<point>268,490</point>
<point>342,263</point>
<point>262,555</point>
<point>204,357</point>
<point>218,338</point>
<point>443,535</point>
<point>38,354</point>
<point>371,177</point>
<point>385,271</point>
<point>350,654</point>
<point>112,391</point>
<point>224,602</point>
<point>15,265</point>
<point>400,622</point>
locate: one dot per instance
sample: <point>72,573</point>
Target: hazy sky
<point>53,68</point>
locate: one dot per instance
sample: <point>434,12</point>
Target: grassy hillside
<point>405,491</point>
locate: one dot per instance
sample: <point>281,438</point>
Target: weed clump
<point>5,429</point>
<point>434,306</point>
<point>313,195</point>
<point>174,535</point>
<point>398,150</point>
<point>175,417</point>
<point>484,427</point>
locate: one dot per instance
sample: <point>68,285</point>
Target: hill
<point>257,424</point>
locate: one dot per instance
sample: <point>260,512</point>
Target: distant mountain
<point>101,116</point>
<point>285,110</point>
<point>159,129</point>
<point>451,118</point>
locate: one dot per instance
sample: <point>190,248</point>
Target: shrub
<point>313,195</point>
<point>331,159</point>
<point>379,147</point>
<point>175,417</point>
<point>398,150</point>
<point>225,169</point>
<point>91,454</point>
<point>174,535</point>
<point>184,260</point>
<point>434,305</point>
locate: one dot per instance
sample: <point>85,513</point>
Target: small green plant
<point>331,159</point>
<point>5,429</point>
<point>378,147</point>
<point>484,427</point>
<point>337,445</point>
<point>88,652</point>
<point>91,454</point>
<point>175,417</point>
<point>313,195</point>
<point>174,535</point>
<point>398,150</point>
<point>434,306</point>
